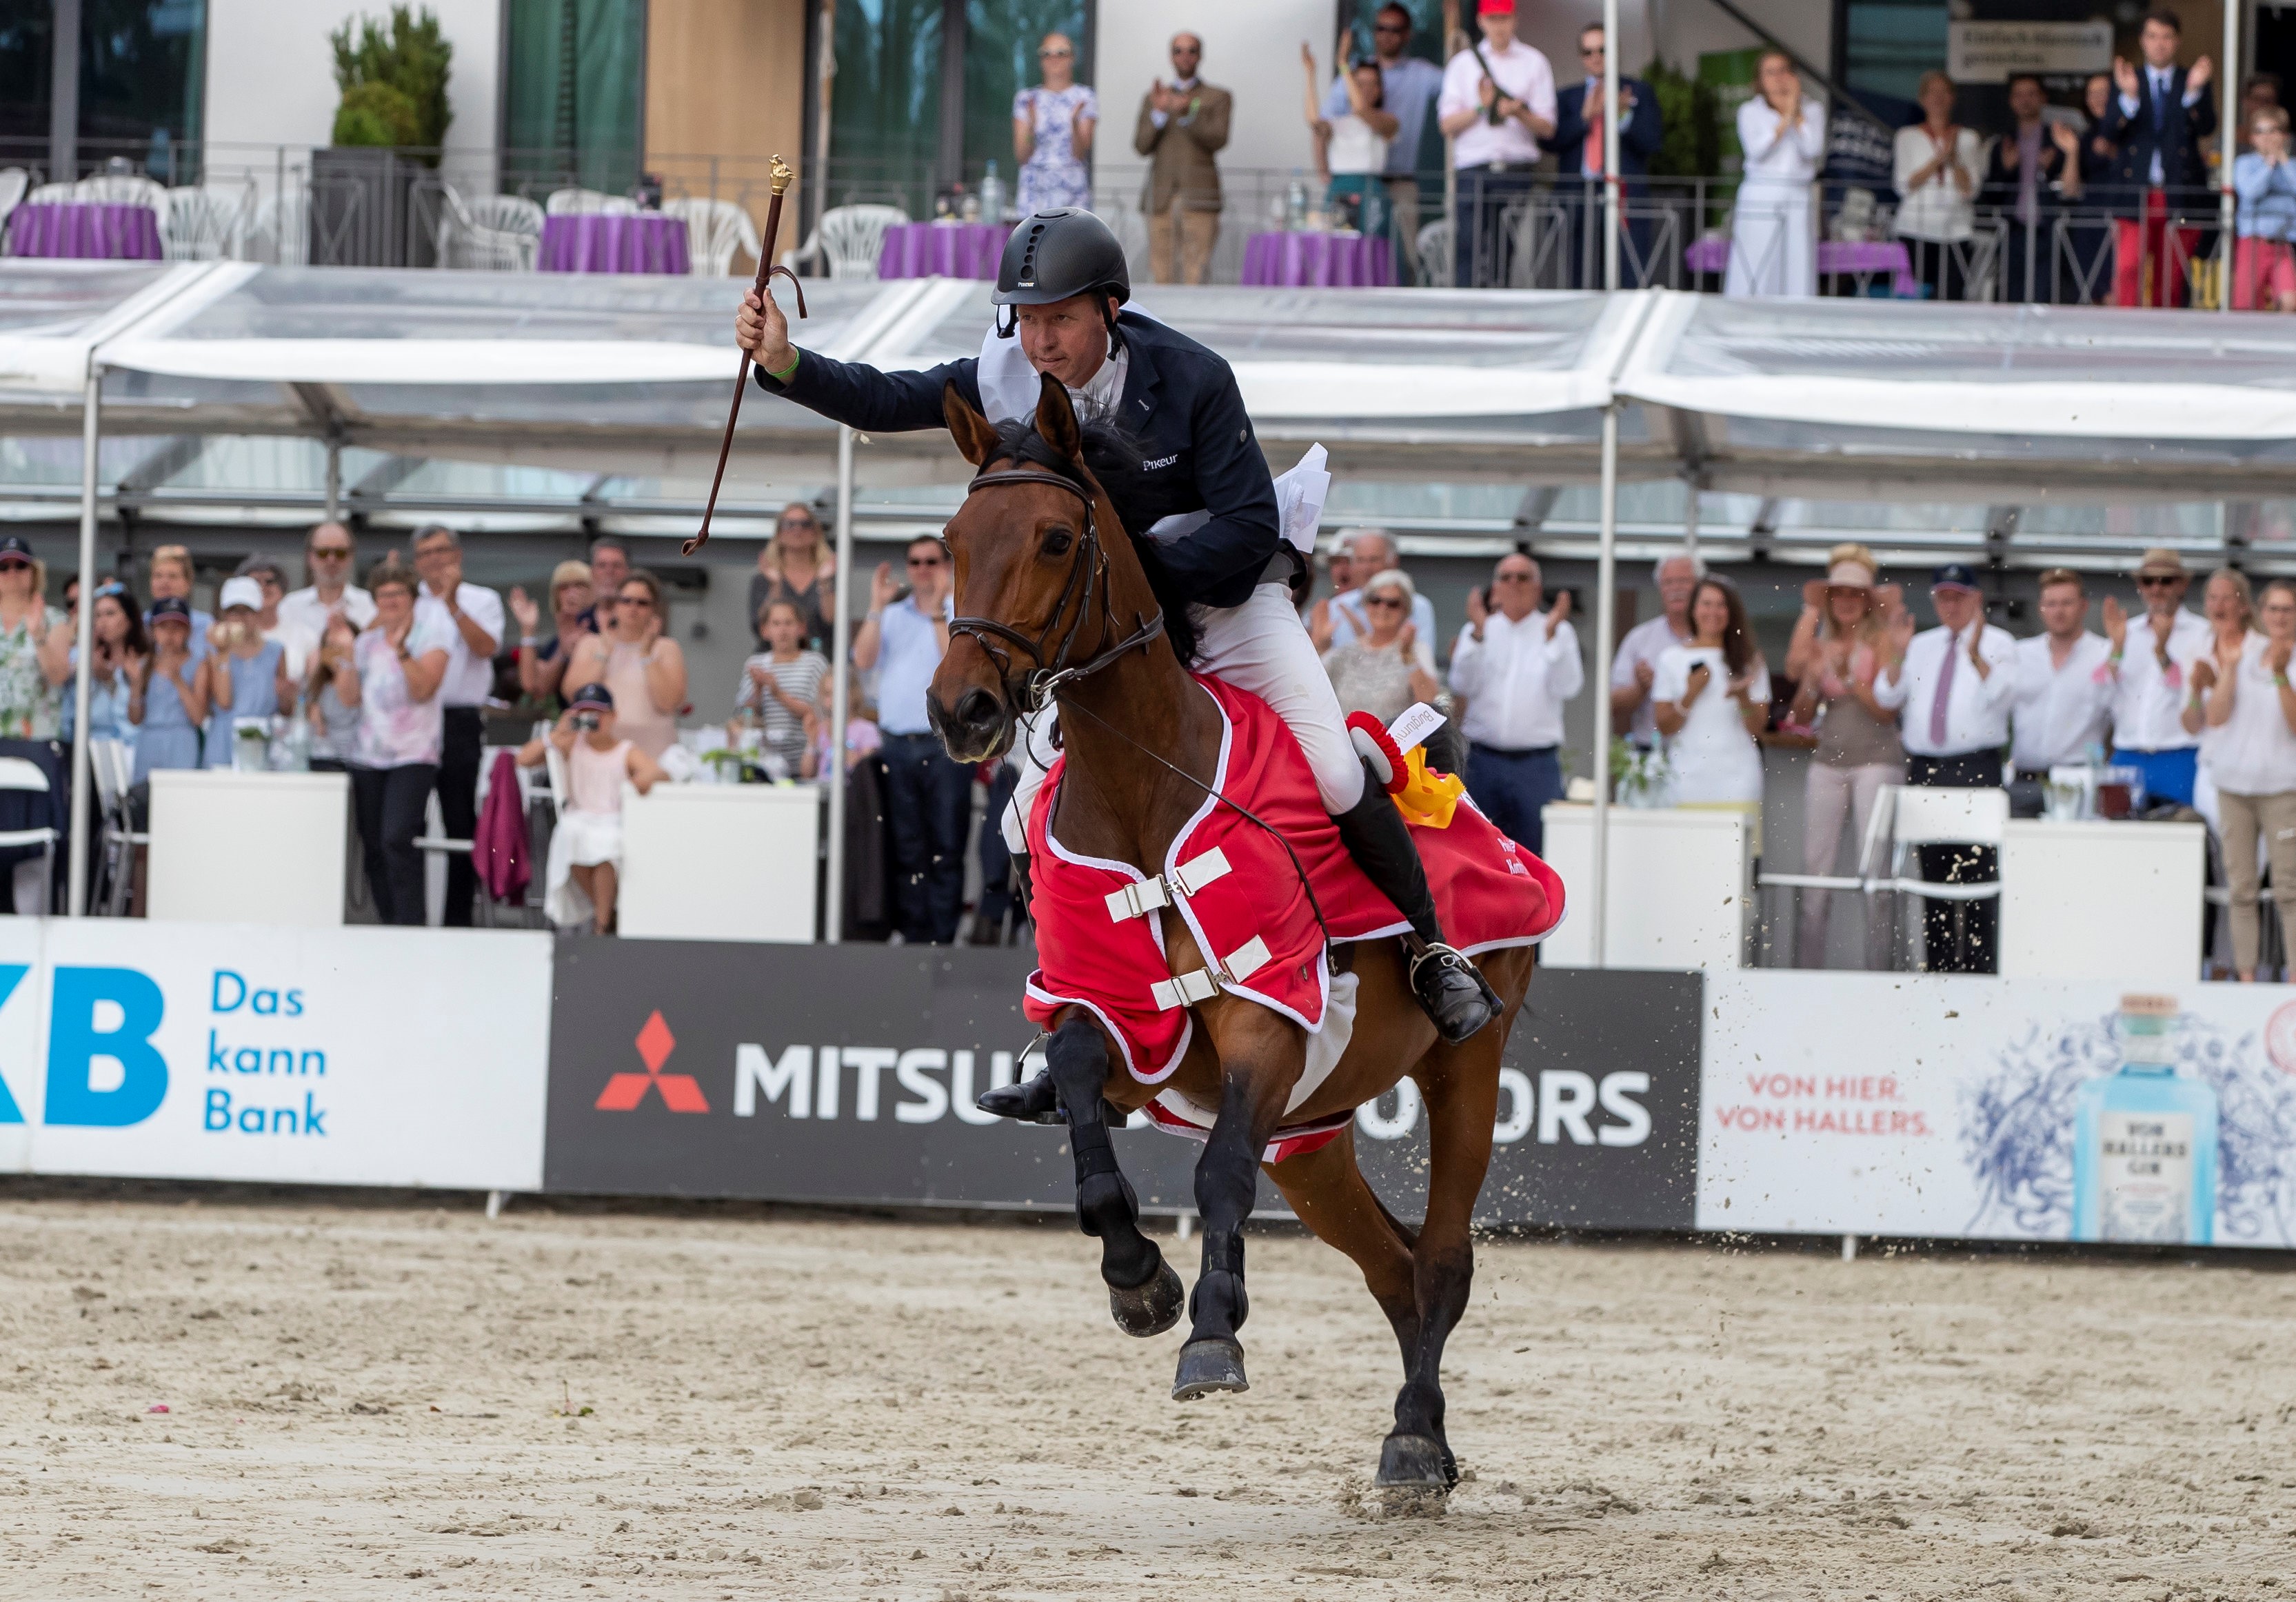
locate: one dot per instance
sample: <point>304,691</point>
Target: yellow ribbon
<point>1427,798</point>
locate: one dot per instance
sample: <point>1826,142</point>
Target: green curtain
<point>1000,60</point>
<point>570,114</point>
<point>885,103</point>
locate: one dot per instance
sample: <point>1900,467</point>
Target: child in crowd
<point>781,685</point>
<point>586,848</point>
<point>247,675</point>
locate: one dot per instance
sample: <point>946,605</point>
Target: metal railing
<point>389,208</point>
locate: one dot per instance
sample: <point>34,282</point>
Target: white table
<point>736,862</point>
<point>2102,901</point>
<point>248,848</point>
<point>1679,894</point>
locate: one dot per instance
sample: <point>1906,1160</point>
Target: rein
<point>1041,685</point>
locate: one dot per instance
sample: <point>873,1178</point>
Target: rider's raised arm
<point>874,402</point>
<point>1220,564</point>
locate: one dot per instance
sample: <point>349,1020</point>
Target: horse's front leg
<point>1143,1292</point>
<point>1260,1054</point>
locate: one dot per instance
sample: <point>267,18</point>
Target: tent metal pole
<point>1606,597</point>
<point>84,818</point>
<point>1450,164</point>
<point>334,480</point>
<point>1614,186</point>
<point>2228,132</point>
<point>841,695</point>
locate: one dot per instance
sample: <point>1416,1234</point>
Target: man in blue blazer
<point>2159,115</point>
<point>1577,146</point>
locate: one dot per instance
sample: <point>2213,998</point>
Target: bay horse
<point>1055,604</point>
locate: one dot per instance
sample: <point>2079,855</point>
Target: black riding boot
<point>1450,989</point>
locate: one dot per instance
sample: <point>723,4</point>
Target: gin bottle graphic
<point>2144,1141</point>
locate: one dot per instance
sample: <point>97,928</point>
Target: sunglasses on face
<point>1386,602</point>
<point>924,562</point>
<point>329,552</point>
<point>635,600</point>
<point>1590,54</point>
<point>12,565</point>
<point>1514,578</point>
<point>1053,56</point>
<point>2158,581</point>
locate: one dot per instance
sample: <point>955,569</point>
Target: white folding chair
<point>1872,854</point>
<point>588,202</point>
<point>14,182</point>
<point>1924,815</point>
<point>1436,262</point>
<point>200,224</point>
<point>849,240</point>
<point>17,773</point>
<point>51,194</point>
<point>495,233</point>
<point>715,232</point>
<point>123,189</point>
<point>111,767</point>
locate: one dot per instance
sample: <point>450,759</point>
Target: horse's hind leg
<point>1460,1085</point>
<point>1143,1294</point>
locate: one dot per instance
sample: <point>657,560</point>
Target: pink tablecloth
<point>1712,255</point>
<point>942,250</point>
<point>89,230</point>
<point>1319,261</point>
<point>592,242</point>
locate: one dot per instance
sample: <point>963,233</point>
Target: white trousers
<point>1261,647</point>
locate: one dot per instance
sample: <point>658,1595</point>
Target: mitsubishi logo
<point>680,1092</point>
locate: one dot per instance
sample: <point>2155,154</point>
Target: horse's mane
<point>1113,458</point>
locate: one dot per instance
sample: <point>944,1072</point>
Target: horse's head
<point>1045,584</point>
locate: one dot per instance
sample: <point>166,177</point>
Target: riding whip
<point>783,176</point>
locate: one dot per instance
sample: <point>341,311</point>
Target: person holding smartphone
<point>1709,698</point>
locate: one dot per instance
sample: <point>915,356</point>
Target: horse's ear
<point>976,439</point>
<point>1056,420</point>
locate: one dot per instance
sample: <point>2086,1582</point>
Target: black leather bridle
<point>1031,689</point>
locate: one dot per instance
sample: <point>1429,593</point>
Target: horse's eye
<point>1057,542</point>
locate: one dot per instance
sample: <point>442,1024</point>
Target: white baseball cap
<point>240,592</point>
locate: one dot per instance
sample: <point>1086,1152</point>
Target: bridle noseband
<point>1032,688</point>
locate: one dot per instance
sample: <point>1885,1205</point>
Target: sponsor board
<point>350,1056</point>
<point>1917,1106</point>
<point>846,1075</point>
<point>1990,52</point>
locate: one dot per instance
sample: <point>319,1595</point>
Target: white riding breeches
<point>1262,647</point>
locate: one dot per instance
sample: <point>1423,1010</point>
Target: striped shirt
<point>799,679</point>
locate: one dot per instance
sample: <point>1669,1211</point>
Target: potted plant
<point>390,123</point>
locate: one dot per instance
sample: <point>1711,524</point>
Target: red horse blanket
<point>1100,938</point>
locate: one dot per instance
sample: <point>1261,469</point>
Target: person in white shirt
<point>1351,148</point>
<point>1710,697</point>
<point>2149,659</point>
<point>1954,685</point>
<point>1339,620</point>
<point>2064,689</point>
<point>1936,167</point>
<point>1496,104</point>
<point>471,617</point>
<point>1516,665</point>
<point>329,553</point>
<point>1773,241</point>
<point>1636,666</point>
<point>297,641</point>
<point>2245,712</point>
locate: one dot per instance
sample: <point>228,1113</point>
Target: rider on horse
<point>1065,275</point>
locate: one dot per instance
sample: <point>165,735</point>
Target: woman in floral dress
<point>1052,132</point>
<point>36,645</point>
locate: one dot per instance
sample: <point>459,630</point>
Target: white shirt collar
<point>1187,83</point>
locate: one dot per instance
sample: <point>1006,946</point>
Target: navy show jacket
<point>1180,406</point>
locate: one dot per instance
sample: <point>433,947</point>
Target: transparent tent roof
<point>526,401</point>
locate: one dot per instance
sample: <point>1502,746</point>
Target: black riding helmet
<point>1053,255</point>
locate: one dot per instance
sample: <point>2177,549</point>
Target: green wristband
<point>785,375</point>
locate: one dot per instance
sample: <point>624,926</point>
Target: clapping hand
<point>2198,76</point>
<point>1700,675</point>
<point>1643,674</point>
<point>2124,76</point>
<point>1479,607</point>
<point>1408,638</point>
<point>1741,689</point>
<point>2202,674</point>
<point>882,587</point>
<point>2062,135</point>
<point>1558,613</point>
<point>2276,655</point>
<point>523,608</point>
<point>1901,630</point>
<point>2116,624</point>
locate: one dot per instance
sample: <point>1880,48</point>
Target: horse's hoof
<point>1150,1308</point>
<point>1208,1366</point>
<point>1414,1463</point>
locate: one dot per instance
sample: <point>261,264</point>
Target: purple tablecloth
<point>89,230</point>
<point>942,250</point>
<point>1319,261</point>
<point>593,242</point>
<point>1712,255</point>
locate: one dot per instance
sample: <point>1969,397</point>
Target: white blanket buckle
<point>1150,895</point>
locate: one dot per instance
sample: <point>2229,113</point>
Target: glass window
<point>572,95</point>
<point>143,68</point>
<point>1000,60</point>
<point>26,54</point>
<point>884,104</point>
<point>1887,44</point>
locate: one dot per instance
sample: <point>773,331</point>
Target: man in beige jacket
<point>1182,125</point>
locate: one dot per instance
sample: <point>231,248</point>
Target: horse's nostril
<point>977,710</point>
